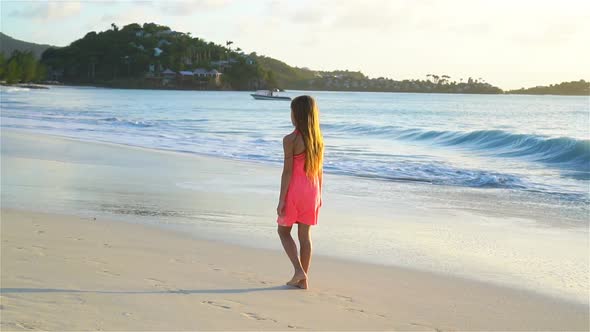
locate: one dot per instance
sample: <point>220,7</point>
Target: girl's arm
<point>321,186</point>
<point>287,171</point>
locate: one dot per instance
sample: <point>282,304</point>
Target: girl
<point>301,185</point>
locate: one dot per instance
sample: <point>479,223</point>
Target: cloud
<point>51,10</point>
<point>306,16</point>
<point>187,7</point>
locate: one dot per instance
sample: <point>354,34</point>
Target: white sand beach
<point>71,273</point>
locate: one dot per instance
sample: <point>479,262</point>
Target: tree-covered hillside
<point>578,88</point>
<point>136,54</point>
<point>21,67</point>
<point>152,56</point>
<point>8,45</point>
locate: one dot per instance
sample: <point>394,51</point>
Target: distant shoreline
<point>107,86</point>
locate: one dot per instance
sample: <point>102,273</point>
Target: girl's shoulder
<point>291,136</point>
<point>289,139</point>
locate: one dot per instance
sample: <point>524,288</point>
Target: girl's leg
<point>291,250</point>
<point>304,233</point>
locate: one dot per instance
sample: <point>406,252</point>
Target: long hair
<point>307,122</point>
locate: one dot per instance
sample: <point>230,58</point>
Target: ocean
<point>536,144</point>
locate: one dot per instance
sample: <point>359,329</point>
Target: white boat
<point>269,95</point>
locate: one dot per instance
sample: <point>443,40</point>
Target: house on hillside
<point>201,73</point>
<point>219,63</point>
<point>222,64</point>
<point>168,76</point>
<point>214,73</point>
<point>169,73</point>
<point>168,33</point>
<point>186,75</point>
<point>157,51</point>
<point>215,76</point>
<point>162,42</point>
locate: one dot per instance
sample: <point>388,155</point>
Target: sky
<point>510,44</point>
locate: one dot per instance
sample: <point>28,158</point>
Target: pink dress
<point>304,196</point>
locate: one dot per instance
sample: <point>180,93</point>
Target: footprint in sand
<point>77,298</point>
<point>216,304</point>
<point>212,267</point>
<point>255,316</point>
<point>26,326</point>
<point>156,282</point>
<point>364,312</point>
<point>39,250</point>
<point>40,232</point>
<point>428,326</point>
<point>334,296</point>
<point>361,311</point>
<point>109,273</point>
<point>250,277</point>
<point>95,262</point>
<point>176,260</point>
<point>295,327</point>
<point>344,298</point>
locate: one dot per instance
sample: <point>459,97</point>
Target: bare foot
<point>302,284</point>
<point>297,277</point>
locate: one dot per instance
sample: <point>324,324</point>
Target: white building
<point>214,73</point>
<point>201,72</point>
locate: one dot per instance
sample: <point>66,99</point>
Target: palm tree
<point>228,43</point>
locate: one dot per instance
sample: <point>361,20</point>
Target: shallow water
<point>528,143</point>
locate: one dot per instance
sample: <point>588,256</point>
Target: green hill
<point>573,88</point>
<point>155,56</point>
<point>284,74</point>
<point>8,45</point>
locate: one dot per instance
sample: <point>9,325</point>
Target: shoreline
<point>107,274</point>
<point>106,86</point>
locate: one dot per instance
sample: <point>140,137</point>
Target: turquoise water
<point>536,144</point>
